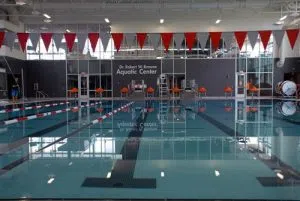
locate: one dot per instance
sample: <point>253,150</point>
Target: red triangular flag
<point>118,38</point>
<point>190,38</point>
<point>141,37</point>
<point>2,34</point>
<point>46,37</point>
<point>166,39</point>
<point>292,35</point>
<point>265,37</point>
<point>240,37</point>
<point>215,39</point>
<point>93,37</point>
<point>70,39</point>
<point>23,37</point>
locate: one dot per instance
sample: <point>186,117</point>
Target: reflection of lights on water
<point>71,163</point>
<point>108,175</point>
<point>217,173</point>
<point>50,180</point>
<point>110,131</point>
<point>254,158</point>
<point>162,174</point>
<point>279,175</point>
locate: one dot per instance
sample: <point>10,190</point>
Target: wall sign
<point>140,69</point>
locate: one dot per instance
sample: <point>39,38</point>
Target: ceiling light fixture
<point>162,174</point>
<point>47,16</point>
<point>279,22</point>
<point>108,175</point>
<point>67,30</point>
<point>218,21</point>
<point>50,180</point>
<point>283,18</point>
<point>161,21</point>
<point>106,20</point>
<point>217,173</point>
<point>279,175</point>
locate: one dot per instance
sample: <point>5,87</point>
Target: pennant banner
<point>178,37</point>
<point>118,38</point>
<point>34,38</point>
<point>9,39</point>
<point>70,39</point>
<point>23,37</point>
<point>46,37</point>
<point>155,39</point>
<point>104,36</point>
<point>227,37</point>
<point>166,39</point>
<point>93,37</point>
<point>292,35</point>
<point>57,38</point>
<point>278,35</point>
<point>215,39</point>
<point>2,34</point>
<point>252,37</point>
<point>130,39</point>
<point>190,38</point>
<point>265,37</point>
<point>203,36</point>
<point>81,37</point>
<point>240,37</point>
<point>141,37</point>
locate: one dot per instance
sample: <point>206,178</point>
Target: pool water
<point>207,149</point>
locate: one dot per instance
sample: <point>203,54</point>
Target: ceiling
<point>144,15</point>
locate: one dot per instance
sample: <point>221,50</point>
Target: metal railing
<point>40,94</point>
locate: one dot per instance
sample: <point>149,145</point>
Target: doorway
<point>240,85</point>
<point>83,86</point>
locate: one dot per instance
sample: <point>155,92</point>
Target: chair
<point>73,92</point>
<point>253,90</point>
<point>176,91</point>
<point>124,92</point>
<point>99,91</point>
<point>150,92</point>
<point>228,91</point>
<point>202,91</point>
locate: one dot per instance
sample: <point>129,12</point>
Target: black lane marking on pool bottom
<point>123,170</point>
<point>291,175</point>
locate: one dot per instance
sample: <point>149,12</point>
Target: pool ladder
<point>40,94</point>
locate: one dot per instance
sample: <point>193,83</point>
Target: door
<point>240,85</point>
<point>83,86</point>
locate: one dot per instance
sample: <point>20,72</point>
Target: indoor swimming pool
<point>168,149</point>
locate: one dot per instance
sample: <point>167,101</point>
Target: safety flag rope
<point>41,115</point>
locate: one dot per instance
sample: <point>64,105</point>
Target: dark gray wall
<point>290,65</point>
<point>212,74</point>
<point>51,76</point>
<point>120,81</point>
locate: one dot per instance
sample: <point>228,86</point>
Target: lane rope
<point>51,113</point>
<point>32,107</point>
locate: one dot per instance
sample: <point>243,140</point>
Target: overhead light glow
<point>161,21</point>
<point>283,18</point>
<point>218,21</point>
<point>279,22</point>
<point>108,175</point>
<point>20,2</point>
<point>46,16</point>
<point>162,174</point>
<point>217,173</point>
<point>279,175</point>
<point>47,20</point>
<point>67,30</point>
<point>50,180</point>
<point>106,20</point>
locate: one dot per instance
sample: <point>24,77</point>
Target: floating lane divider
<point>32,107</point>
<point>110,114</point>
<point>41,115</point>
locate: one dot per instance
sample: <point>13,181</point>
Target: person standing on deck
<point>15,91</point>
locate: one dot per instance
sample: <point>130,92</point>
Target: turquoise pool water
<point>231,149</point>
